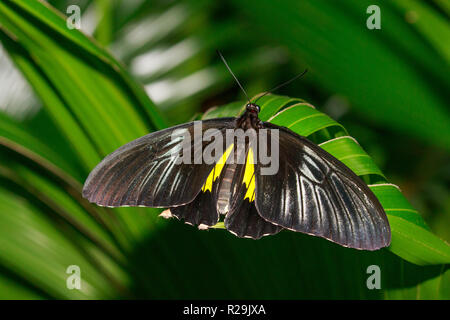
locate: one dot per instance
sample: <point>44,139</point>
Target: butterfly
<point>310,191</point>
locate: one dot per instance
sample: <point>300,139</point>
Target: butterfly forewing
<point>145,172</point>
<point>314,193</point>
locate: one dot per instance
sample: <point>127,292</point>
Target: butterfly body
<point>310,192</point>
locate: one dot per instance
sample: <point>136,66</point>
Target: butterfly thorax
<point>250,120</point>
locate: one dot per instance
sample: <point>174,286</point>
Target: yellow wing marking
<point>249,176</point>
<point>215,172</point>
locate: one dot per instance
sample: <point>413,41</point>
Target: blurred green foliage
<point>388,88</point>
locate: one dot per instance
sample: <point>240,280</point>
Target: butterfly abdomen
<point>224,194</point>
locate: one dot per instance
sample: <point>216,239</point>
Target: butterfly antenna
<point>283,84</point>
<point>229,69</point>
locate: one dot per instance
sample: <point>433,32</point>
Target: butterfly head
<point>253,108</point>
<point>250,117</point>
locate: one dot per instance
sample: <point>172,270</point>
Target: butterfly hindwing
<point>243,219</point>
<point>144,172</point>
<point>314,193</point>
<point>200,211</point>
<point>203,209</point>
<point>245,222</point>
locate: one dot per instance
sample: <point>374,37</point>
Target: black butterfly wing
<point>245,221</point>
<point>145,172</point>
<point>242,219</point>
<point>315,193</point>
<point>203,209</point>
